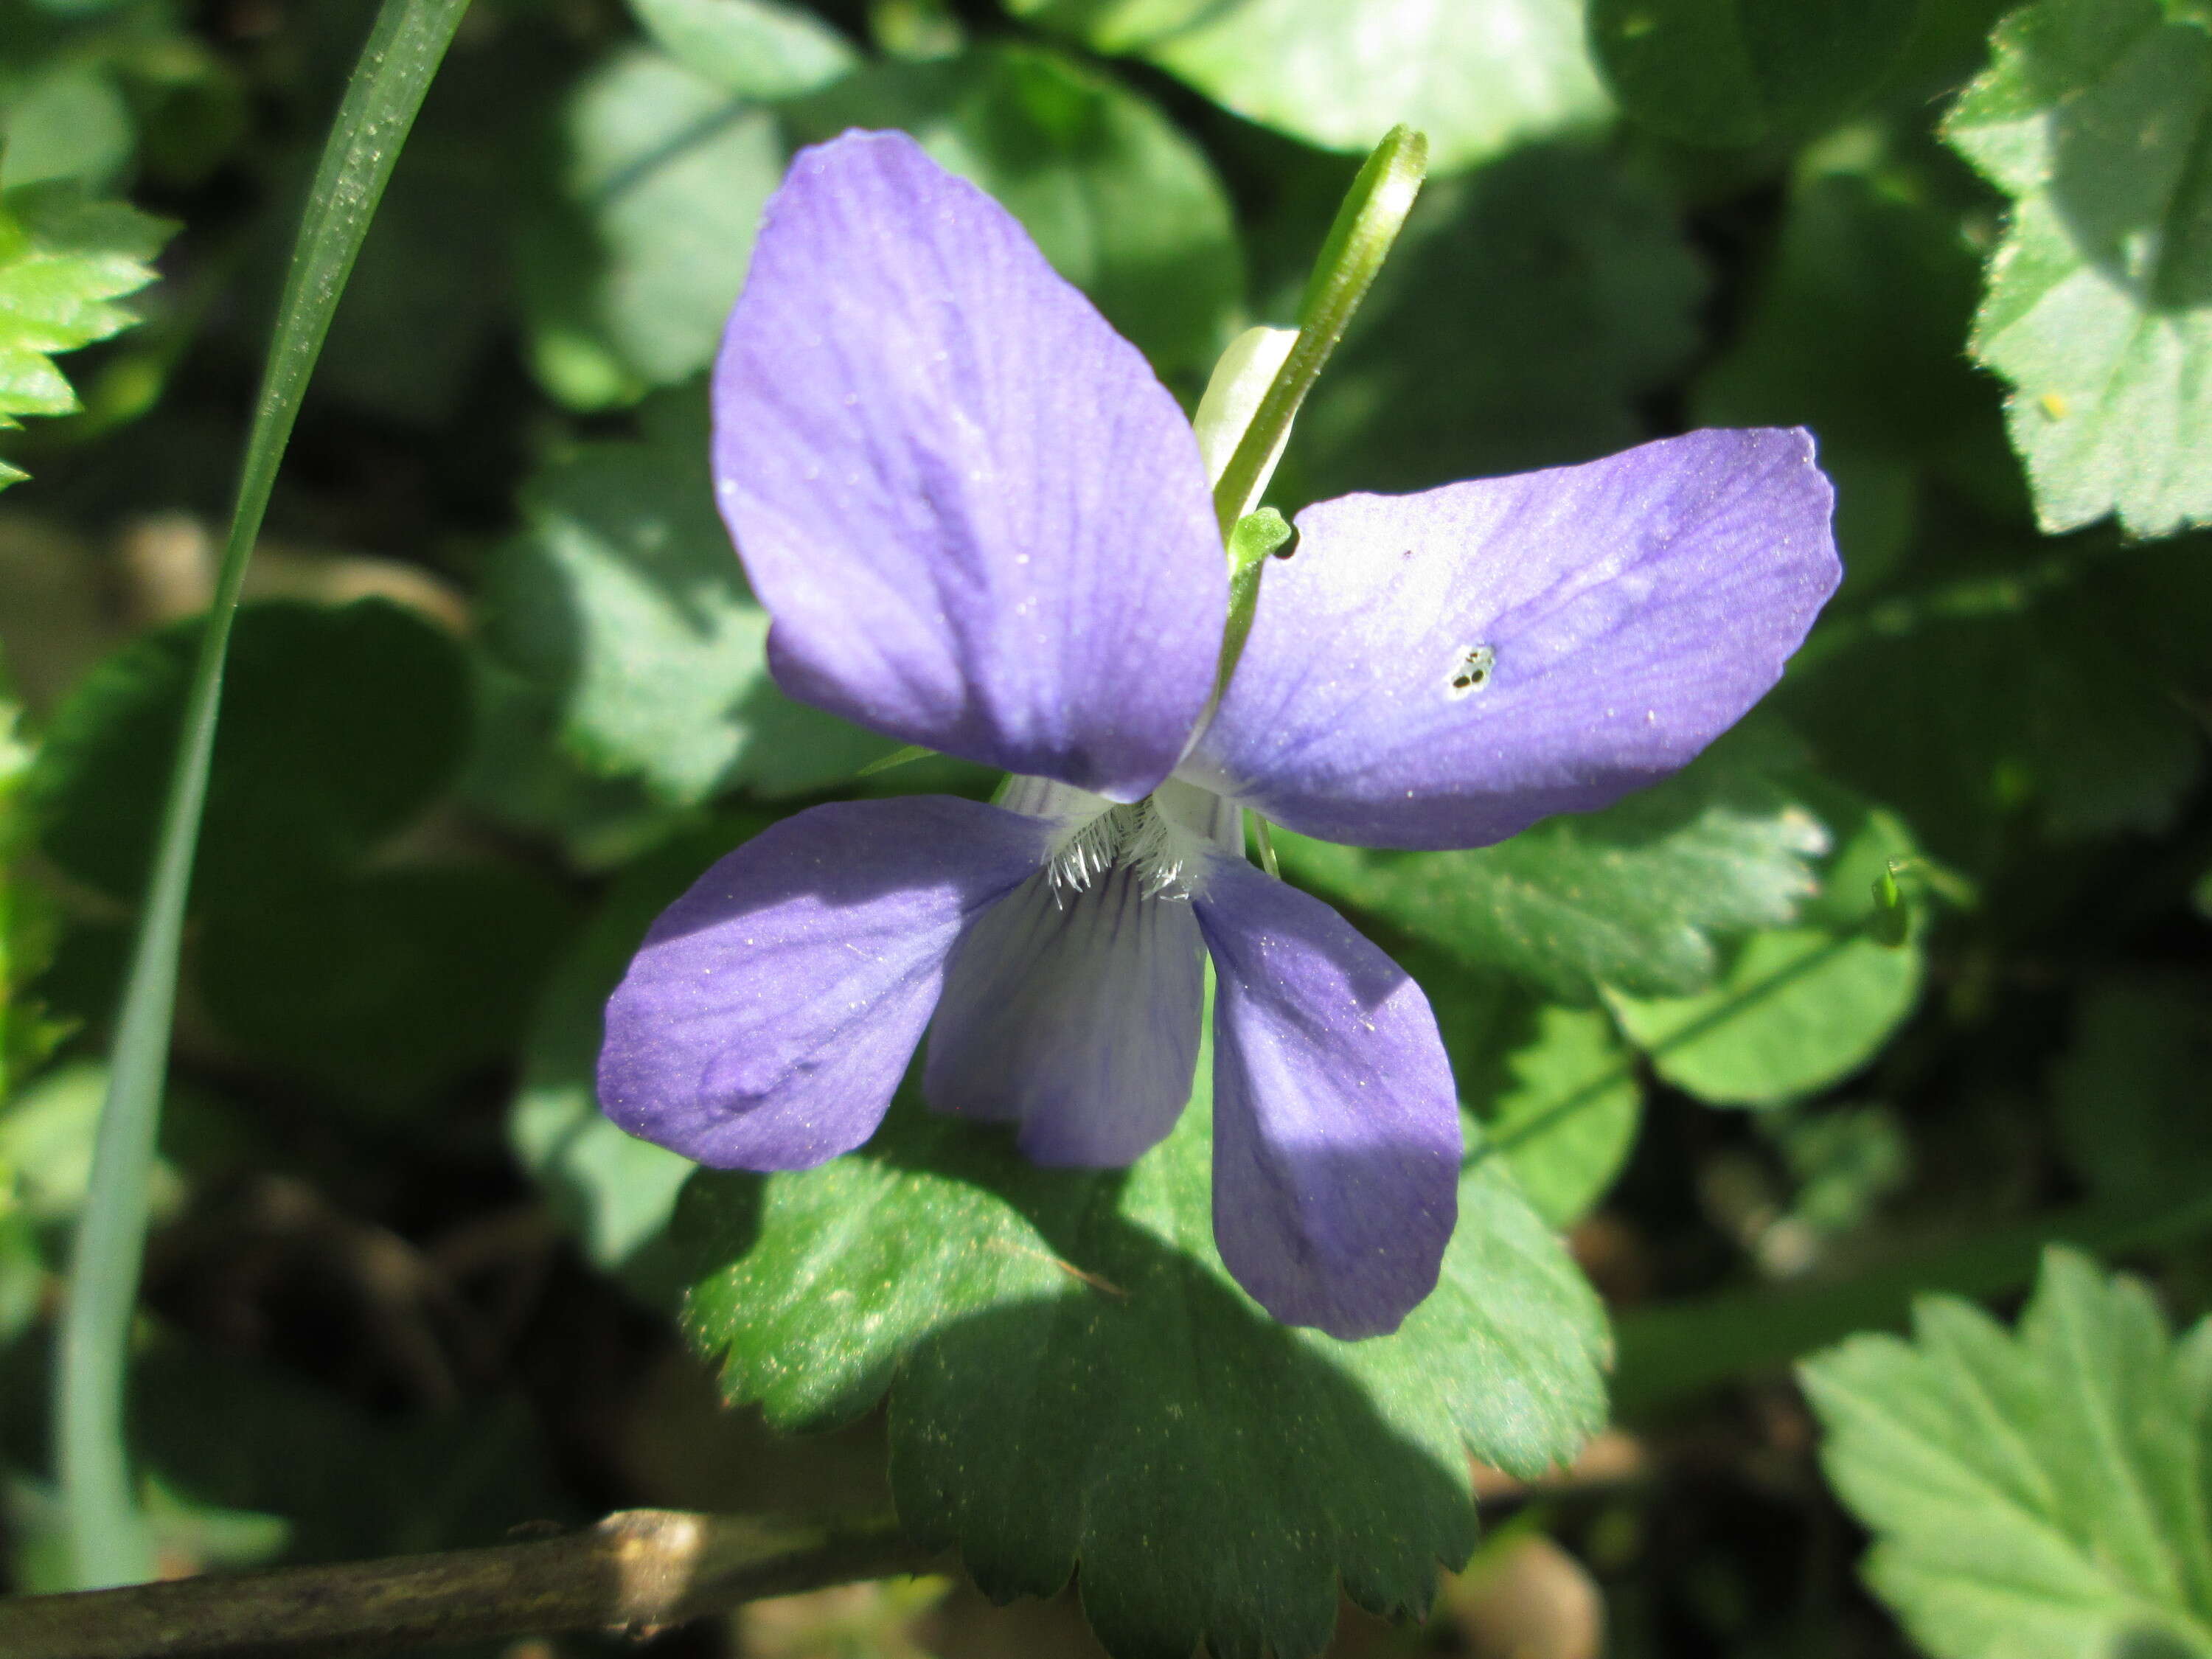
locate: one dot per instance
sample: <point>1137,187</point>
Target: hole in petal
<point>1471,670</point>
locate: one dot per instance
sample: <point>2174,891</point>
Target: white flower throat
<point>1166,841</point>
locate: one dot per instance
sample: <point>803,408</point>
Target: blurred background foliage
<point>1911,974</point>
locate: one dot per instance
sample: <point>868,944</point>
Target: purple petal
<point>1076,1016</point>
<point>771,1009</point>
<point>1336,1129</point>
<point>978,520</point>
<point>1443,670</point>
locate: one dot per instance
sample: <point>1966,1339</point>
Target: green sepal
<point>1256,536</point>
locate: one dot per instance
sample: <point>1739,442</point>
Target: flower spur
<point>979,523</point>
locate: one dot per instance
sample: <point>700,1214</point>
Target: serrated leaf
<point>1479,77</point>
<point>1632,896</point>
<point>1525,313</point>
<point>64,260</point>
<point>1798,1008</point>
<point>339,726</point>
<point>623,603</point>
<point>1074,1378</point>
<point>1568,1116</point>
<point>754,48</point>
<point>2031,1492</point>
<point>1556,1090</point>
<point>2094,117</point>
<point>1732,72</point>
<point>1120,202</point>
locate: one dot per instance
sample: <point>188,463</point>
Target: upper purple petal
<point>1444,669</point>
<point>978,520</point>
<point>1336,1128</point>
<point>771,1011</point>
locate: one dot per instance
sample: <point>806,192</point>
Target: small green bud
<point>1890,921</point>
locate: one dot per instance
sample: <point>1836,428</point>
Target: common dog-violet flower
<point>980,524</point>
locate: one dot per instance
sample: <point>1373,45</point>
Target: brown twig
<point>636,1572</point>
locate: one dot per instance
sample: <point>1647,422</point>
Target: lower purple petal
<point>1336,1128</point>
<point>1075,1015</point>
<point>770,1014</point>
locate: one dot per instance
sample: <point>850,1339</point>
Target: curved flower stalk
<point>980,523</point>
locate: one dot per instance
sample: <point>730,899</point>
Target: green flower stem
<point>1373,214</point>
<point>107,1537</point>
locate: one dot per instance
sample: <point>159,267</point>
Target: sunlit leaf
<point>622,602</point>
<point>64,260</point>
<point>1050,1336</point>
<point>2031,1492</point>
<point>2094,117</point>
<point>1634,896</point>
<point>754,48</point>
<point>1477,76</point>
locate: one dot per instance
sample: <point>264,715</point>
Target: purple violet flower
<point>982,525</point>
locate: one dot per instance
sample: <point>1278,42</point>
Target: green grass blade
<point>107,1539</point>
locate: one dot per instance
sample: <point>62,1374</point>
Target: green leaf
<point>1073,1377</point>
<point>754,48</point>
<point>1798,1008</point>
<point>45,1146</point>
<point>1734,72</point>
<point>614,1191</point>
<point>1122,203</point>
<point>625,605</point>
<point>1524,314</point>
<point>65,120</point>
<point>1479,77</point>
<point>2031,1492</point>
<point>1555,1088</point>
<point>629,267</point>
<point>520,775</point>
<point>342,724</point>
<point>2130,1091</point>
<point>2094,116</point>
<point>1567,1118</point>
<point>63,261</point>
<point>1631,896</point>
<point>384,987</point>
